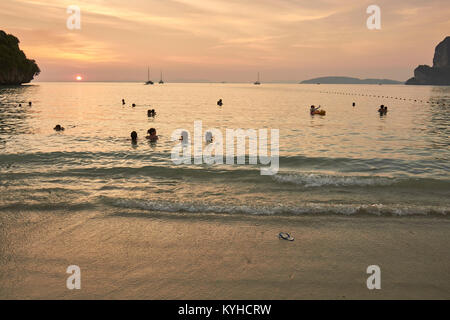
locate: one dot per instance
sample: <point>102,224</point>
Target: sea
<point>349,162</point>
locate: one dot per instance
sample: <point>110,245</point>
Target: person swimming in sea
<point>382,110</point>
<point>123,101</point>
<point>313,109</point>
<point>220,102</point>
<point>151,113</point>
<point>30,103</point>
<point>184,137</point>
<point>208,137</point>
<point>133,105</point>
<point>152,135</point>
<point>58,128</point>
<point>134,137</point>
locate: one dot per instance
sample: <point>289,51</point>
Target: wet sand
<point>126,255</point>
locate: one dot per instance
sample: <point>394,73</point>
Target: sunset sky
<point>226,40</point>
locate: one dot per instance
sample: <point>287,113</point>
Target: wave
<point>306,209</point>
<point>188,207</point>
<point>59,157</point>
<point>47,206</point>
<point>319,180</point>
<point>297,161</point>
<point>316,180</point>
<point>225,174</point>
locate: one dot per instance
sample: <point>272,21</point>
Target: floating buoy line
<point>381,96</point>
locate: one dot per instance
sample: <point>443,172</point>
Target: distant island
<point>349,80</point>
<point>439,73</point>
<point>15,68</point>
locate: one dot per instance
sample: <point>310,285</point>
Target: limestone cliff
<point>439,74</point>
<point>15,68</point>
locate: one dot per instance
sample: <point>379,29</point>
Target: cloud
<point>282,36</point>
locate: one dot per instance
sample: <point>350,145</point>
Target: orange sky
<point>226,40</point>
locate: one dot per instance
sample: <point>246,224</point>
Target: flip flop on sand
<point>285,236</point>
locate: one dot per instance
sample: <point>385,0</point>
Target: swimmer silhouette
<point>382,110</point>
<point>220,103</point>
<point>58,128</point>
<point>313,109</point>
<point>134,137</point>
<point>152,135</point>
<point>184,137</point>
<point>208,137</point>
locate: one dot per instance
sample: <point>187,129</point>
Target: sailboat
<point>161,81</point>
<point>257,81</point>
<point>148,78</point>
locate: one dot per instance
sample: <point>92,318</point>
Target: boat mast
<point>257,81</point>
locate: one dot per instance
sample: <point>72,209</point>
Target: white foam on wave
<point>309,208</point>
<point>319,180</point>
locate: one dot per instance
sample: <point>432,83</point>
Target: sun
<point>79,78</point>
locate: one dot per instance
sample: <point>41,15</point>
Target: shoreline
<point>125,255</point>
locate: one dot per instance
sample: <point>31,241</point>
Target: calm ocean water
<point>351,161</point>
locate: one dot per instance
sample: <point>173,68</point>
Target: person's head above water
<point>134,136</point>
<point>184,137</point>
<point>58,128</point>
<point>208,137</point>
<point>133,105</point>
<point>152,135</point>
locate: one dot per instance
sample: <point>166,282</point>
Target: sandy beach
<point>167,256</point>
<point>142,227</point>
<point>158,150</point>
